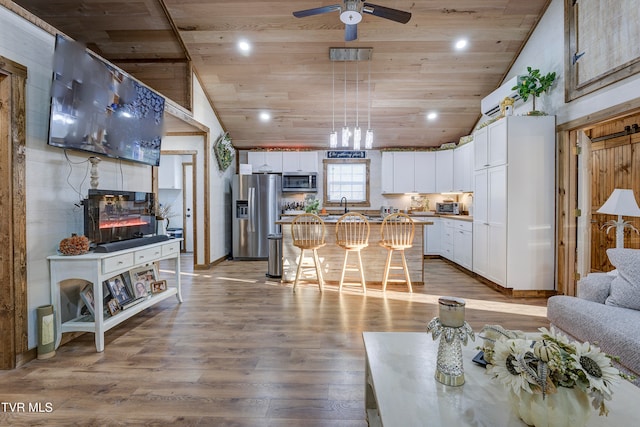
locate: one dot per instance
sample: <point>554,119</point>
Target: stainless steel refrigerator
<point>256,208</point>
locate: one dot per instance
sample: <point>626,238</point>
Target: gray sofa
<point>606,310</point>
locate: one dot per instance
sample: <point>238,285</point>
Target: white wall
<point>545,50</point>
<point>55,186</point>
<point>219,182</point>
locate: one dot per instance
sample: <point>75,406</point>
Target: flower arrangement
<point>74,245</point>
<point>547,363</point>
<point>223,149</point>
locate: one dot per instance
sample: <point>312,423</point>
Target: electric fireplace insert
<point>112,216</point>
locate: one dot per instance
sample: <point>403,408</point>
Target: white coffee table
<point>400,388</point>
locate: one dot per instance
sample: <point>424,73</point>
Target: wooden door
<point>615,163</point>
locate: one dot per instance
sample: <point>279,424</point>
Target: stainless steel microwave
<point>450,208</point>
<point>300,182</point>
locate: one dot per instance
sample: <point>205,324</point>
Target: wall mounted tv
<point>99,109</point>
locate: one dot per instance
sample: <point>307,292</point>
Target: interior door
<point>187,194</point>
<point>615,163</point>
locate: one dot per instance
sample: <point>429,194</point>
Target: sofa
<point>606,310</point>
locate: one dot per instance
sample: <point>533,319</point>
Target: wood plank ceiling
<point>414,69</point>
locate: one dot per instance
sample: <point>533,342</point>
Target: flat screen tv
<point>99,109</point>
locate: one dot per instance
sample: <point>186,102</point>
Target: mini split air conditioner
<point>490,105</point>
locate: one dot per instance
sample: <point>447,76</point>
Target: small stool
<point>308,232</point>
<point>352,234</point>
<point>396,234</point>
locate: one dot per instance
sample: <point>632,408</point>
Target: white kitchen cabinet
<point>463,244</point>
<point>444,171</point>
<point>265,161</point>
<point>514,204</point>
<point>386,172</point>
<point>170,172</point>
<point>299,161</point>
<point>404,172</point>
<point>432,237</point>
<point>463,168</point>
<point>446,239</point>
<point>425,172</point>
<point>490,144</point>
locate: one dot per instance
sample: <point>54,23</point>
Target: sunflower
<point>597,368</point>
<point>504,365</point>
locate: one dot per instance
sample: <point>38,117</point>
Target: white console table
<point>97,268</point>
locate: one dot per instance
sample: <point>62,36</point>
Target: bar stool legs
<point>388,266</point>
<point>316,265</point>
<point>359,267</point>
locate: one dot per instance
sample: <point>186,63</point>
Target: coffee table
<point>400,388</point>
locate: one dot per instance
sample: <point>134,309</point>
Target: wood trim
<point>325,162</point>
<point>620,110</point>
<point>13,257</point>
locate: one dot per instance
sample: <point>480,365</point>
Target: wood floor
<point>242,350</point>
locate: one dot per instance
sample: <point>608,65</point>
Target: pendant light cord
<point>369,97</point>
<point>357,101</point>
<point>345,93</point>
<point>333,96</point>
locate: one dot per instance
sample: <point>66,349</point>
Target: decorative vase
<point>568,407</point>
<point>453,331</point>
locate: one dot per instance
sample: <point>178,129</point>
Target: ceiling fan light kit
<point>351,14</point>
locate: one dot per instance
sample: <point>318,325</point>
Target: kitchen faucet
<point>345,204</point>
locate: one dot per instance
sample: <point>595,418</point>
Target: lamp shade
<point>621,202</point>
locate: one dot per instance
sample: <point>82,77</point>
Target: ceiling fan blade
<point>386,12</point>
<point>316,11</point>
<point>350,32</point>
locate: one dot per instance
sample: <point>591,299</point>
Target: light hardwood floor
<point>242,350</point>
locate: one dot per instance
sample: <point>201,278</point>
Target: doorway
<point>596,154</point>
<point>609,159</point>
<point>177,189</point>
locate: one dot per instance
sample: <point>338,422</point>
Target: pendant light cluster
<point>351,55</point>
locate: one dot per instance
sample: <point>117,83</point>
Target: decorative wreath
<point>224,151</point>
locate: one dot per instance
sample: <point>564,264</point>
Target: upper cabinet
<point>403,172</point>
<point>170,172</point>
<point>490,147</point>
<point>408,172</point>
<point>444,171</point>
<point>299,161</point>
<point>425,172</point>
<point>463,167</point>
<point>265,161</point>
<point>386,172</point>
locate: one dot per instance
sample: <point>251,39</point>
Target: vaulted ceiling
<point>414,69</point>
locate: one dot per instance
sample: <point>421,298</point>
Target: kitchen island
<point>332,256</point>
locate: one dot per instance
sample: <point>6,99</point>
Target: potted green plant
<point>534,84</point>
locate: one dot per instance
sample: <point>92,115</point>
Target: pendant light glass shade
<point>333,139</point>
<point>368,139</point>
<point>345,136</point>
<point>357,137</point>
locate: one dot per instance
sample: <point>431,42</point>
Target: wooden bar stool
<point>396,234</point>
<point>352,234</point>
<point>308,232</point>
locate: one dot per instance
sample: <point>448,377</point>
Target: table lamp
<point>620,202</point>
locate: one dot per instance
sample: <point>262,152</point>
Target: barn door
<point>615,163</point>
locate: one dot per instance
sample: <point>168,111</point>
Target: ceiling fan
<point>351,13</point>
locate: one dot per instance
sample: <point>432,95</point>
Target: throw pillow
<point>625,287</point>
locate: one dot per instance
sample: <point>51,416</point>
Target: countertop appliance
<point>300,182</point>
<point>449,208</point>
<point>256,208</point>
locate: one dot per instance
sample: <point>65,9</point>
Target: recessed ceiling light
<point>265,117</point>
<point>432,116</point>
<point>461,44</point>
<point>244,46</point>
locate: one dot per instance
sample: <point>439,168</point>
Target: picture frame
<point>113,306</point>
<point>140,289</point>
<point>146,274</point>
<point>158,286</point>
<point>118,289</point>
<point>86,294</point>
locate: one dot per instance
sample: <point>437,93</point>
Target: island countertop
<point>373,256</point>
